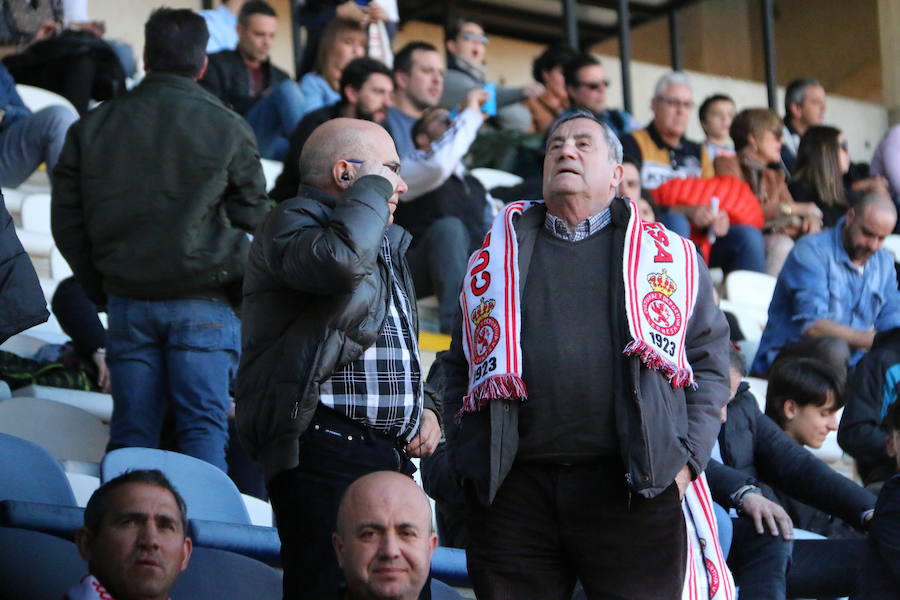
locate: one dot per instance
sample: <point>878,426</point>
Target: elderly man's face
<point>578,164</point>
<point>385,542</point>
<point>140,547</point>
<point>672,109</point>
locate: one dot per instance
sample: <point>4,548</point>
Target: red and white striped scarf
<point>660,275</point>
<point>88,589</point>
<point>707,574</point>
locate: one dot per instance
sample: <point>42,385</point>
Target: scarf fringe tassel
<point>678,377</point>
<point>498,387</point>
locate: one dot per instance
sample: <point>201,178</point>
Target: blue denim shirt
<point>10,101</point>
<point>819,281</point>
<point>316,93</point>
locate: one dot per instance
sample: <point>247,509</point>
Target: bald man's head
<point>340,140</point>
<point>868,222</point>
<point>385,537</point>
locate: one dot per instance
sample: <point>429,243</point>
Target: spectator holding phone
<point>466,46</point>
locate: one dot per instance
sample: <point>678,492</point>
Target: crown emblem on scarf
<point>482,311</point>
<point>662,283</point>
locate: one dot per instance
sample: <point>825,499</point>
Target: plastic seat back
<point>66,432</point>
<point>208,492</point>
<point>226,576</point>
<point>37,566</point>
<point>30,473</point>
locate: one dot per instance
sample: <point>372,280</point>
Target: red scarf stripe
<point>633,254</point>
<point>705,498</point>
<point>508,269</point>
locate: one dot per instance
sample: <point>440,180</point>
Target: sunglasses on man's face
<point>595,85</point>
<point>474,37</point>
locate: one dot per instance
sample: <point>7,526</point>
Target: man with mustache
<point>836,284</point>
<point>134,539</point>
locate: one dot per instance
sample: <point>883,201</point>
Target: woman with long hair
<point>342,41</point>
<point>757,140</point>
<point>822,160</point>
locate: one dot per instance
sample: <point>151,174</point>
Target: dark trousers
<point>759,563</point>
<point>552,524</point>
<point>825,568</point>
<point>334,452</point>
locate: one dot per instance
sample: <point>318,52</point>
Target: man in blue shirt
<point>222,25</point>
<point>837,284</point>
<point>27,139</point>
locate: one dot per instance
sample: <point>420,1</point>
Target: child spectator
<point>716,114</point>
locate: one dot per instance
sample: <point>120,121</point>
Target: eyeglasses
<point>474,37</point>
<point>676,103</point>
<point>393,166</point>
<point>594,85</point>
<point>843,145</point>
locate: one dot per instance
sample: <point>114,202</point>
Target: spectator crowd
<point>274,333</point>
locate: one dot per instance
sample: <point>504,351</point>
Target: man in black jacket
<point>247,81</point>
<point>155,229</point>
<point>872,390</point>
<point>752,454</point>
<point>330,386</point>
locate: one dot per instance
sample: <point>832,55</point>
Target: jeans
<point>334,452</point>
<point>28,142</point>
<point>676,222</point>
<point>742,248</point>
<point>437,261</point>
<point>759,562</point>
<point>274,117</point>
<point>183,351</point>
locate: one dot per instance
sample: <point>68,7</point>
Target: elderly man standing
<point>330,386</point>
<point>586,382</point>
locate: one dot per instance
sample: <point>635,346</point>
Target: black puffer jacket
<point>22,303</point>
<point>756,451</point>
<point>315,297</point>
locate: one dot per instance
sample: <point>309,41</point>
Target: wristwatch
<point>742,492</point>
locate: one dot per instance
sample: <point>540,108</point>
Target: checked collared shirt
<point>383,387</point>
<point>584,229</point>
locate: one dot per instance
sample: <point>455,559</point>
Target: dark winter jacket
<point>227,77</point>
<point>154,194</point>
<point>880,578</point>
<point>871,390</point>
<point>756,451</point>
<point>22,303</point>
<point>661,430</point>
<point>316,295</point>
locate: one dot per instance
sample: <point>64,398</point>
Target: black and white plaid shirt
<point>583,230</point>
<point>383,387</point>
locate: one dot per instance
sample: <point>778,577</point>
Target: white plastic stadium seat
<point>491,178</point>
<point>64,431</point>
<point>892,245</point>
<point>271,169</point>
<point>36,98</point>
<point>35,213</point>
<point>750,288</point>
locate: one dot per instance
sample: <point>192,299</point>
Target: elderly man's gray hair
<point>612,142</point>
<point>670,78</point>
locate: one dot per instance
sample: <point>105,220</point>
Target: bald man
<point>384,538</point>
<point>330,386</point>
<point>837,285</point>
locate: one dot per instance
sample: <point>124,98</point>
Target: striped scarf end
<point>497,387</point>
<point>678,377</point>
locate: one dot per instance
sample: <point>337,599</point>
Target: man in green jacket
<point>153,196</point>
